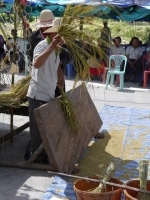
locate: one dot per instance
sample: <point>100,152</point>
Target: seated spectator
<point>134,54</point>
<point>117,48</point>
<point>147,59</point>
<point>146,63</point>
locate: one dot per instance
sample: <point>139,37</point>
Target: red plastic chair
<point>146,73</point>
<point>96,71</point>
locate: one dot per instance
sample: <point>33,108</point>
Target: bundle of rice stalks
<point>81,44</point>
<point>69,112</point>
<point>82,47</point>
<point>16,94</point>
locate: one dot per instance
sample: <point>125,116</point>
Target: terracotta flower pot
<point>130,194</point>
<point>82,187</point>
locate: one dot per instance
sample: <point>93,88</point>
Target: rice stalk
<point>16,94</point>
<point>69,112</point>
<point>81,44</point>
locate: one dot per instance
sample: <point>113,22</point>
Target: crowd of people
<point>134,51</point>
<point>137,54</point>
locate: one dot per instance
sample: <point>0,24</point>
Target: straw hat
<point>46,19</point>
<point>54,27</point>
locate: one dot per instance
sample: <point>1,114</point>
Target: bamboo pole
<point>107,177</point>
<point>4,34</point>
<point>143,173</point>
<point>14,37</point>
<point>101,181</point>
<point>13,78</point>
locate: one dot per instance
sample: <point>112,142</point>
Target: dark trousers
<point>134,71</point>
<point>34,131</point>
<point>35,138</point>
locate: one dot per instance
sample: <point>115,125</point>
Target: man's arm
<point>40,59</point>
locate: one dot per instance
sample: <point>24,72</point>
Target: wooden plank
<point>13,133</point>
<point>22,110</point>
<point>63,146</point>
<point>26,165</point>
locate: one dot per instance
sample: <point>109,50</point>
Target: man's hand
<point>56,41</point>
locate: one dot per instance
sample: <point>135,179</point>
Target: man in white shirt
<point>46,74</point>
<point>117,48</point>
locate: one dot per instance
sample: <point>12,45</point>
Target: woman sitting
<point>134,54</point>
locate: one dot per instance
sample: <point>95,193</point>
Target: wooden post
<point>143,173</point>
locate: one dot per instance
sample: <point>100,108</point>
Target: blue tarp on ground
<point>135,147</point>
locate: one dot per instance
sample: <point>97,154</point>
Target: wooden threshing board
<point>63,146</point>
